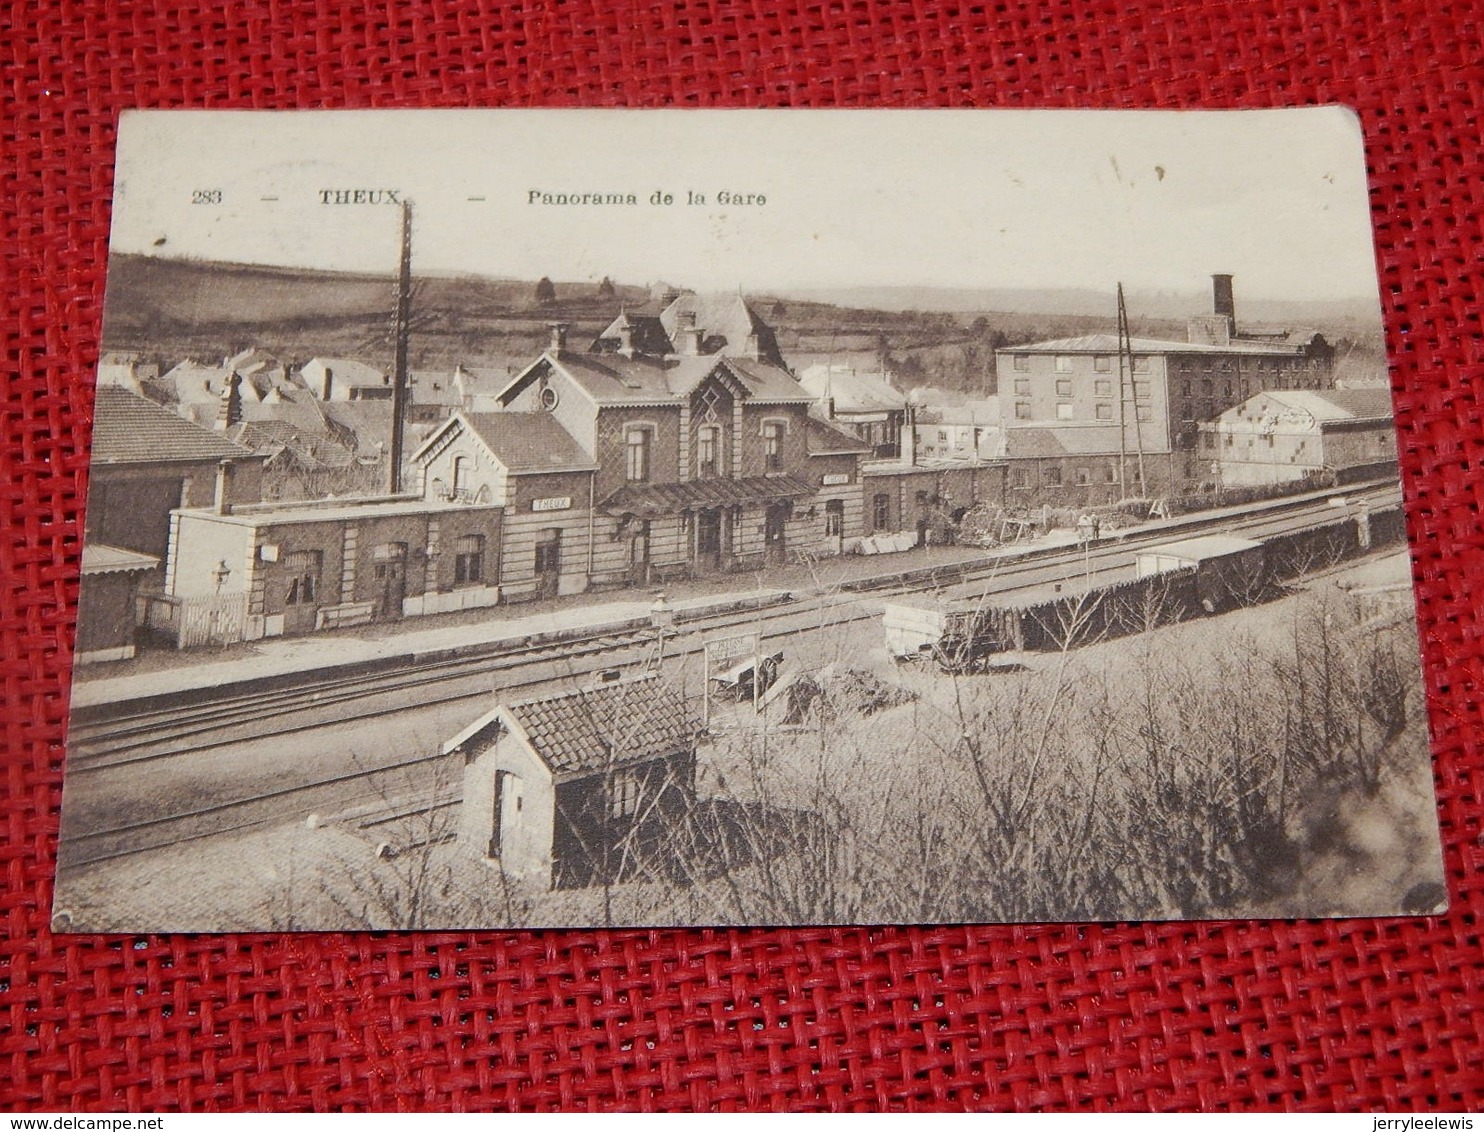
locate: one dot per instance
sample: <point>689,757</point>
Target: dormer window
<point>548,398</point>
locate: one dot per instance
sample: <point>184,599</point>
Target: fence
<point>205,619</point>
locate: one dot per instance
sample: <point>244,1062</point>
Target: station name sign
<point>554,503</point>
<point>834,478</point>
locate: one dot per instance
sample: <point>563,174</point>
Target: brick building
<point>1153,396</point>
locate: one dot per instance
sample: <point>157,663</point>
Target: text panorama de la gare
<point>726,198</point>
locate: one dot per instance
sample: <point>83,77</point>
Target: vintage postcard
<point>559,518</point>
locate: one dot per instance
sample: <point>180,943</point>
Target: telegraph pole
<point>399,364</point>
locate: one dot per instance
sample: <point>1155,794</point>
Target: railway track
<point>154,735</point>
<point>126,736</point>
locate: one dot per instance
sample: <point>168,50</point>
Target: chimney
<point>690,339</point>
<point>230,411</point>
<point>626,340</point>
<point>1222,300</point>
<point>222,502</point>
<point>327,384</point>
<point>558,336</point>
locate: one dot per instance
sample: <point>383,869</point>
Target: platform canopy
<point>652,499</point>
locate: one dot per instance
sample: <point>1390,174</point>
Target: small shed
<point>110,588</point>
<point>1228,568</point>
<point>580,786</point>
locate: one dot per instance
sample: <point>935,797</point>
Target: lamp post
<point>662,617</point>
<point>221,574</point>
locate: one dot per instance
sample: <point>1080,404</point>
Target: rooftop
<point>593,729</point>
<point>129,429</point>
<point>1108,344</point>
<point>529,442</point>
<point>1079,440</point>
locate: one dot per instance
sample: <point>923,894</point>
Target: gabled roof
<point>527,442</point>
<point>1337,404</point>
<point>128,429</point>
<point>590,730</point>
<point>612,379</point>
<point>273,436</point>
<point>1108,344</point>
<point>344,372</point>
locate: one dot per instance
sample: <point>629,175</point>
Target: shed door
<point>509,803</point>
<point>390,571</point>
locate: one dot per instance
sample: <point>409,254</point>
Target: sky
<point>1158,200</point>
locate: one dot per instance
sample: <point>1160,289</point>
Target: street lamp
<point>221,574</point>
<point>662,617</point>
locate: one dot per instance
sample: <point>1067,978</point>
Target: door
<point>774,545</point>
<point>834,526</point>
<point>509,802</point>
<point>549,563</point>
<point>639,542</point>
<point>390,571</point>
<point>708,539</point>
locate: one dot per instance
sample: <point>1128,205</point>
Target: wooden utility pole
<point>1126,355</point>
<point>399,363</point>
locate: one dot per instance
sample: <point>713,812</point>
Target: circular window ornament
<point>549,398</point>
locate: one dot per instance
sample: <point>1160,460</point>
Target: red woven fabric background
<point>1348,1015</point>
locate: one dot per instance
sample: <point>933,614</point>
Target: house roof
<point>650,499</point>
<point>273,436</point>
<point>853,391</point>
<point>590,730</point>
<point>826,437</point>
<point>344,371</point>
<point>1108,344</point>
<point>612,379</point>
<point>728,324</point>
<point>128,429</point>
<point>648,335</point>
<point>1336,404</point>
<point>528,442</point>
<point>1076,440</point>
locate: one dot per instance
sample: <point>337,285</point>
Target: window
<point>1208,440</point>
<point>1022,410</point>
<point>1022,363</point>
<point>1023,385</point>
<point>1064,411</point>
<point>881,512</point>
<point>1145,413</point>
<point>636,449</point>
<point>468,560</point>
<point>708,448</point>
<point>942,436</point>
<point>773,445</point>
<point>1207,387</point>
<point>1185,388</point>
<point>460,486</point>
<point>1084,476</point>
<point>834,518</point>
<point>1141,363</point>
<point>1102,363</point>
<point>1110,473</point>
<point>1020,477</point>
<point>1051,475</point>
<point>1102,388</point>
<point>623,795</point>
<point>302,567</point>
<point>1104,412</point>
<point>1063,363</point>
<point>1141,390</point>
<point>1064,387</point>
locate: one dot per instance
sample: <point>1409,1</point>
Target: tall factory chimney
<point>1223,302</point>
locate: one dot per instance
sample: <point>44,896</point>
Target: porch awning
<point>650,499</point>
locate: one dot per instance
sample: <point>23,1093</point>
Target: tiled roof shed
<point>129,429</point>
<point>590,730</point>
